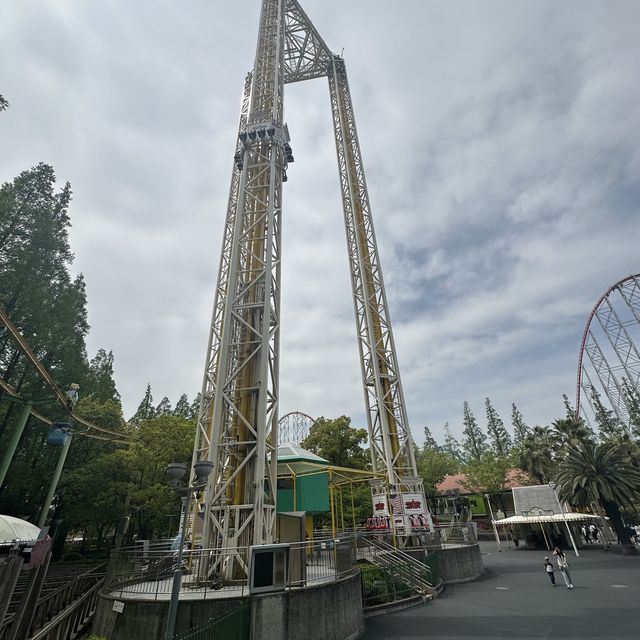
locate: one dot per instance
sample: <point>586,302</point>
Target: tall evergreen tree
<point>164,407</point>
<point>36,287</point>
<point>429,441</point>
<point>608,424</point>
<point>571,412</point>
<point>182,408</point>
<point>48,305</point>
<point>100,383</point>
<point>500,438</point>
<point>451,445</point>
<point>631,395</point>
<point>195,406</point>
<point>145,410</point>
<point>475,441</point>
<point>520,428</point>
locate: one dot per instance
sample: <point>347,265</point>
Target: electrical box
<point>269,568</point>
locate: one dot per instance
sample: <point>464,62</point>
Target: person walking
<point>563,565</point>
<point>549,569</point>
<point>585,534</point>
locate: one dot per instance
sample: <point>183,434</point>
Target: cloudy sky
<point>500,141</point>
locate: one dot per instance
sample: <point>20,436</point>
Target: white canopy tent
<point>14,529</point>
<point>544,518</point>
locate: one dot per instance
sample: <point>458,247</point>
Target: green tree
<point>488,474</point>
<point>537,455</point>
<point>475,441</point>
<point>451,446</point>
<point>608,424</point>
<point>500,438</point>
<point>433,466</point>
<point>145,410</point>
<point>631,395</point>
<point>164,407</point>
<point>599,473</point>
<point>571,412</point>
<point>100,383</point>
<point>182,407</point>
<point>520,428</point>
<point>48,305</point>
<point>158,442</point>
<point>571,432</point>
<point>338,442</point>
<point>195,406</point>
<point>429,440</point>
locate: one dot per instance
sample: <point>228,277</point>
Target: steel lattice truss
<point>609,344</point>
<point>294,427</point>
<point>237,423</point>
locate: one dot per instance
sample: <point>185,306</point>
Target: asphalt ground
<point>515,599</point>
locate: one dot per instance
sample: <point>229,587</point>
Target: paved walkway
<point>515,599</point>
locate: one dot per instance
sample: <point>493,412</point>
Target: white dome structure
<point>12,529</point>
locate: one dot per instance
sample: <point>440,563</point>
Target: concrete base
<point>460,564</point>
<point>331,611</point>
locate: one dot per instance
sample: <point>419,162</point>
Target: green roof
<point>289,452</point>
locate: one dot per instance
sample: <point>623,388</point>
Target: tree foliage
<point>451,445</point>
<point>48,305</point>
<point>338,442</point>
<point>488,474</point>
<point>498,435</point>
<point>475,441</point>
<point>433,467</point>
<point>599,473</point>
<point>520,428</point>
<point>145,410</point>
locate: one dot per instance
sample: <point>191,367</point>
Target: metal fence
<point>230,625</point>
<point>148,571</point>
<point>64,610</point>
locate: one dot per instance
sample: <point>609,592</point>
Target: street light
<point>176,472</point>
<point>495,529</point>
<point>553,486</point>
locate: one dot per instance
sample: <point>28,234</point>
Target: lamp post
<point>495,529</point>
<point>176,471</point>
<point>553,486</point>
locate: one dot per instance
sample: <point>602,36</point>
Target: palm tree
<point>600,473</point>
<point>537,453</point>
<point>572,432</point>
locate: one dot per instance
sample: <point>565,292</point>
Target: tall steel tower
<point>237,423</point>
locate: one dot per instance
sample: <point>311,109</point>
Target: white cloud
<point>499,144</point>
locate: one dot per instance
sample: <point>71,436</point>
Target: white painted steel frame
<point>389,435</point>
<point>238,413</point>
<point>237,423</point>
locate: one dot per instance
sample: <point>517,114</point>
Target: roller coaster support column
<point>15,439</point>
<point>54,481</point>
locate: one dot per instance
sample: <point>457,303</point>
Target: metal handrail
<point>73,619</point>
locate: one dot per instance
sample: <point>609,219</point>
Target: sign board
<point>412,504</point>
<point>535,497</point>
<point>380,506</point>
<point>118,606</point>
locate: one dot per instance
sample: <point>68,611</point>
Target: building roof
<point>454,482</point>
<point>289,452</point>
<point>555,517</point>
